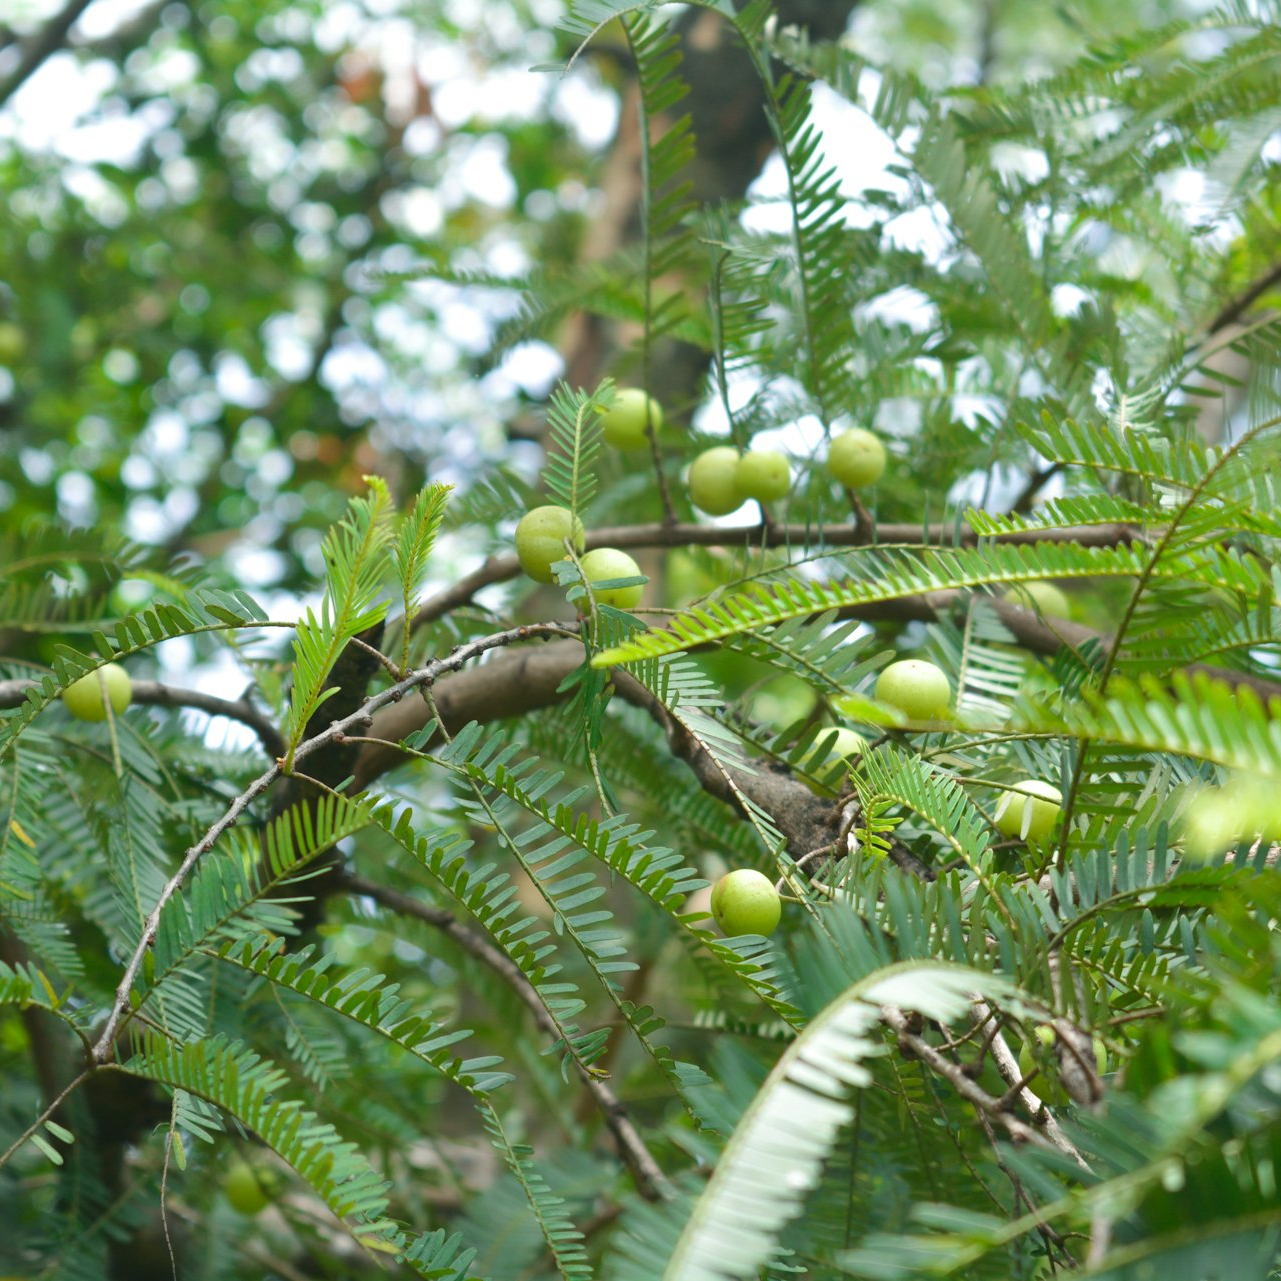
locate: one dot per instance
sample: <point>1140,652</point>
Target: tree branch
<point>1046,1133</point>
<point>104,1046</point>
<point>42,46</point>
<point>1236,307</point>
<point>519,683</point>
<point>153,693</point>
<point>650,1179</point>
<point>501,569</point>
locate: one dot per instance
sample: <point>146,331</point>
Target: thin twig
<point>1235,307</point>
<point>104,1047</point>
<point>501,569</point>
<point>68,1089</point>
<point>1046,1133</point>
<point>650,1179</point>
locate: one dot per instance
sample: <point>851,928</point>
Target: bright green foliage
<point>355,557</point>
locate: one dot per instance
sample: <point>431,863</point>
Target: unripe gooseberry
<point>745,902</point>
<point>243,1187</point>
<point>1029,810</point>
<point>606,563</point>
<point>856,458</point>
<point>1042,598</point>
<point>624,422</point>
<point>87,698</point>
<point>713,481</point>
<point>763,474</point>
<point>841,745</point>
<point>919,689</point>
<point>540,539</point>
<point>1049,1088</point>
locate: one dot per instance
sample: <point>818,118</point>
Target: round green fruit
<point>1029,811</point>
<point>763,474</point>
<point>856,458</point>
<point>920,690</point>
<point>1042,598</point>
<point>87,698</point>
<point>841,745</point>
<point>540,540</point>
<point>606,563</point>
<point>745,902</point>
<point>13,342</point>
<point>625,421</point>
<point>243,1187</point>
<point>1049,1089</point>
<point>713,481</point>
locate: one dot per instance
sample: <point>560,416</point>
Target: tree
<point>421,958</point>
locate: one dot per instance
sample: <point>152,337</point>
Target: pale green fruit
<point>13,342</point>
<point>1029,811</point>
<point>713,481</point>
<point>87,698</point>
<point>1041,598</point>
<point>1046,1086</point>
<point>745,902</point>
<point>244,1190</point>
<point>1216,819</point>
<point>624,422</point>
<point>763,474</point>
<point>856,458</point>
<point>540,540</point>
<point>842,745</point>
<point>920,690</point>
<point>605,563</point>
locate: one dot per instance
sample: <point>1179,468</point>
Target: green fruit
<point>624,423</point>
<point>605,564</point>
<point>243,1188</point>
<point>745,902</point>
<point>540,540</point>
<point>856,458</point>
<point>763,474</point>
<point>13,342</point>
<point>830,747</point>
<point>1043,598</point>
<point>713,481</point>
<point>917,688</point>
<point>1047,1087</point>
<point>1031,819</point>
<point>87,698</point>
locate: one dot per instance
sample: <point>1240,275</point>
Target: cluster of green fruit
<point>721,479</point>
<point>541,538</point>
<point>1029,810</point>
<point>745,902</point>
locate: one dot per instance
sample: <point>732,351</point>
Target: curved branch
<point>104,1046</point>
<point>650,1179</point>
<point>153,693</point>
<point>518,683</point>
